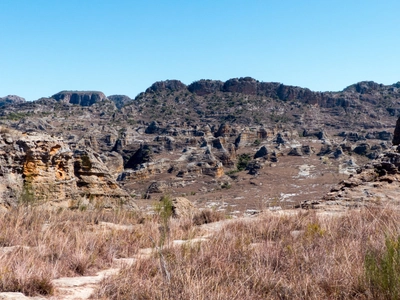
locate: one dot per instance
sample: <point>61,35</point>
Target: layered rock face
<point>39,169</point>
<point>83,98</point>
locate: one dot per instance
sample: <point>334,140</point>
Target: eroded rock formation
<point>83,98</point>
<point>39,169</point>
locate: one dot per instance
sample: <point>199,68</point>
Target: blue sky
<point>123,46</point>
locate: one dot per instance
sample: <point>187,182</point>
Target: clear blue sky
<point>123,46</point>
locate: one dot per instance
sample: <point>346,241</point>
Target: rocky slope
<point>207,139</point>
<point>374,184</point>
<point>11,99</point>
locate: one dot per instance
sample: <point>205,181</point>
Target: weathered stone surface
<point>262,152</point>
<point>375,184</point>
<point>120,100</point>
<point>83,98</point>
<point>183,208</point>
<point>205,87</point>
<point>38,169</point>
<point>362,149</point>
<point>245,138</point>
<point>11,99</point>
<point>246,85</point>
<point>224,130</point>
<point>114,162</point>
<point>295,151</point>
<point>171,85</point>
<point>153,128</point>
<point>254,167</point>
<point>157,187</point>
<point>227,155</point>
<point>396,135</point>
<point>141,156</point>
<point>326,149</point>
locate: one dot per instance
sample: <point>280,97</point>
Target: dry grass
<point>303,256</point>
<point>37,246</point>
<point>299,256</point>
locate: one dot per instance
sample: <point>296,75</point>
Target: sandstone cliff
<point>38,169</point>
<point>83,98</point>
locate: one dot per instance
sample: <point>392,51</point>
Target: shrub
<point>382,270</point>
<point>243,161</point>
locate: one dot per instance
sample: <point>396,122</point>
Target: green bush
<point>382,270</point>
<point>243,160</point>
<point>164,209</point>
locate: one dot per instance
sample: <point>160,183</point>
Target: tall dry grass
<point>300,256</point>
<point>275,256</point>
<point>37,246</point>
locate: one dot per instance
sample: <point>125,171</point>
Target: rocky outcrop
<point>295,151</point>
<point>227,155</point>
<point>246,85</point>
<point>396,135</point>
<point>374,184</point>
<point>141,156</point>
<point>157,187</point>
<point>83,98</point>
<point>183,208</point>
<point>38,169</point>
<point>254,167</point>
<point>170,85</point>
<point>224,130</point>
<point>120,100</point>
<point>364,87</point>
<point>153,128</point>
<point>11,99</point>
<point>204,87</point>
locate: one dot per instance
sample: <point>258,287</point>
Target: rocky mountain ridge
<point>206,139</point>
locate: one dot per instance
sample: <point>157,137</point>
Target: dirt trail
<point>81,287</point>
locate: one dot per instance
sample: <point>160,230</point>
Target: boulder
<point>362,149</point>
<point>325,149</point>
<point>183,208</point>
<point>295,151</point>
<point>262,152</point>
<point>153,128</point>
<point>254,167</point>
<point>157,187</point>
<point>307,149</point>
